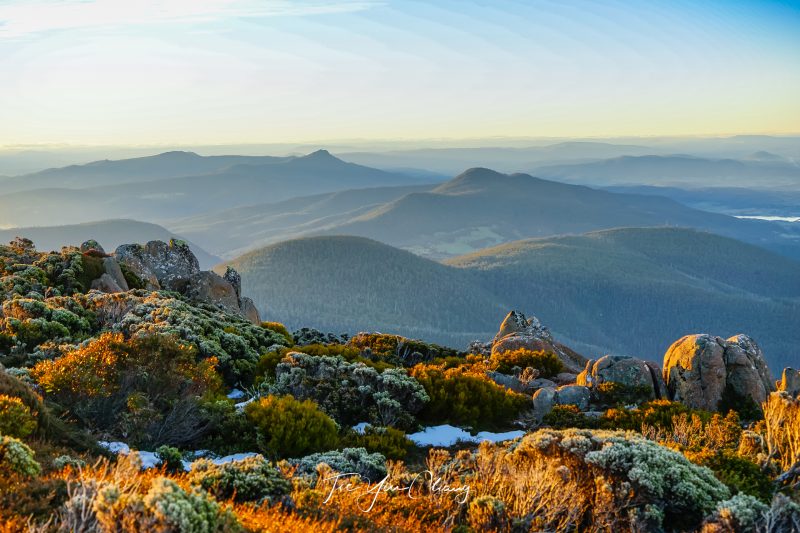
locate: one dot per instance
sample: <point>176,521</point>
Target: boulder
<point>249,310</point>
<point>112,269</point>
<point>790,382</point>
<point>699,368</point>
<point>133,257</point>
<point>565,378</point>
<point>171,264</point>
<point>92,246</point>
<point>748,375</point>
<point>517,331</point>
<point>106,283</point>
<point>543,401</point>
<point>576,395</point>
<point>210,287</point>
<point>624,369</point>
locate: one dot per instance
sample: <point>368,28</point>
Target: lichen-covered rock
<point>172,264</point>
<point>623,369</point>
<point>576,395</point>
<point>106,283</point>
<point>91,246</point>
<point>133,257</point>
<point>790,382</point>
<point>112,269</point>
<point>699,368</point>
<point>517,331</point>
<point>250,311</point>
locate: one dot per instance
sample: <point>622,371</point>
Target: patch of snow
<point>234,457</point>
<point>499,437</point>
<point>240,406</point>
<point>361,427</point>
<point>447,435</point>
<point>236,394</point>
<point>149,459</point>
<point>115,447</point>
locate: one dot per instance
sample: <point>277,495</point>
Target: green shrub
<point>612,393</point>
<point>747,408</point>
<point>288,427</point>
<point>657,413</point>
<point>740,475</point>
<point>91,269</point>
<point>63,461</point>
<point>169,458</point>
<point>16,419</point>
<point>464,399</point>
<point>569,416</point>
<point>387,441</point>
<point>251,479</point>
<point>149,389</point>
<point>547,363</point>
<point>17,458</point>
<point>189,512</point>
<point>351,392</point>
<point>280,329</point>
<point>397,349</point>
<point>370,466</point>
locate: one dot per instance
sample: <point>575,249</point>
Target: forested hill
<point>590,289</point>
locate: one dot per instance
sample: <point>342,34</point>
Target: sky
<point>243,71</point>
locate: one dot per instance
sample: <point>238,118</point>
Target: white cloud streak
<point>21,18</point>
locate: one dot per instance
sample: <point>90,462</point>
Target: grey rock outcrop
<point>249,310</point>
<point>543,401</point>
<point>699,368</point>
<point>517,331</point>
<point>106,283</point>
<point>173,266</point>
<point>790,382</point>
<point>576,395</point>
<point>623,369</point>
<point>112,269</point>
<point>210,287</point>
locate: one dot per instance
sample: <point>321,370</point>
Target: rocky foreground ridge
<point>701,371</point>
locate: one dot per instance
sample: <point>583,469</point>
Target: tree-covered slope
<point>628,291</point>
<point>352,284</point>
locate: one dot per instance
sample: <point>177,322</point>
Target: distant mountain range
<point>162,187</point>
<point>483,208</point>
<point>232,232</point>
<point>677,171</point>
<point>109,233</point>
<point>590,289</point>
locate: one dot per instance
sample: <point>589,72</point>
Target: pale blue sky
<point>233,71</point>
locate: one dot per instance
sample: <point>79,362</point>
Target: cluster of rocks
<point>698,370</point>
<point>170,266</point>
